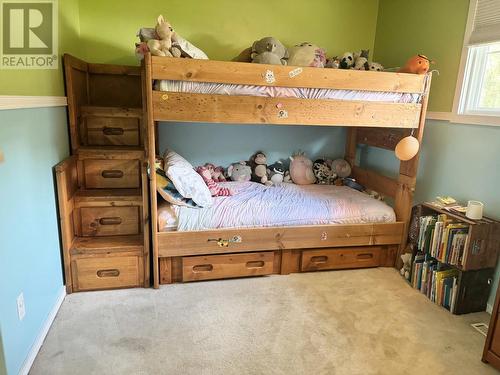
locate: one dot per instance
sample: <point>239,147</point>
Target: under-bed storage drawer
<point>329,259</point>
<point>109,221</point>
<point>109,174</point>
<point>106,272</point>
<point>226,266</point>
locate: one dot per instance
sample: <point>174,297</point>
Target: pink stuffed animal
<point>215,189</point>
<point>217,173</point>
<point>301,169</point>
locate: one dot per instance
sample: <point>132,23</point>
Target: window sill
<point>464,119</point>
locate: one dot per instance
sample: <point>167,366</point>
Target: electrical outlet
<point>21,308</point>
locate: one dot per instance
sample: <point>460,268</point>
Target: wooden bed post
<point>408,177</point>
<point>151,149</point>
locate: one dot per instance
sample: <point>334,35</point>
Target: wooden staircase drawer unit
<point>112,131</point>
<point>226,266</point>
<point>109,174</point>
<point>330,259</point>
<point>108,221</point>
<point>106,272</point>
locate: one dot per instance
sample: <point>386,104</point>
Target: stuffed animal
<point>406,269</point>
<point>239,171</point>
<point>180,47</point>
<point>324,174</point>
<point>258,164</point>
<point>287,178</point>
<point>374,66</point>
<point>418,64</point>
<point>269,50</point>
<point>217,173</point>
<point>360,59</point>
<point>332,63</point>
<point>301,169</point>
<point>215,189</point>
<point>244,56</point>
<point>346,60</point>
<point>307,54</point>
<point>163,45</point>
<point>341,168</point>
<point>276,172</point>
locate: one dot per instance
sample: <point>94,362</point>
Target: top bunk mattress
<point>257,205</point>
<point>284,92</point>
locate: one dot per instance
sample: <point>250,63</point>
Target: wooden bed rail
<point>283,76</point>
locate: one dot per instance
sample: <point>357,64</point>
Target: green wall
<point>46,82</point>
<point>222,28</point>
<point>432,27</point>
<point>457,160</point>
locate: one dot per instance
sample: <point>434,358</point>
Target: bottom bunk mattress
<point>257,205</point>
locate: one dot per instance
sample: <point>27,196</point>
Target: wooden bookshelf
<point>474,271</point>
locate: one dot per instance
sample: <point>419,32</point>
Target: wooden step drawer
<point>106,272</point>
<point>329,259</point>
<point>227,266</point>
<point>109,174</point>
<point>109,221</point>
<point>112,131</point>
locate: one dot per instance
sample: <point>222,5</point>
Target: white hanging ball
<point>407,148</point>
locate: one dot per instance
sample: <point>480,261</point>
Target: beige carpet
<point>340,322</point>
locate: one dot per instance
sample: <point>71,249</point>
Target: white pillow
<point>186,180</point>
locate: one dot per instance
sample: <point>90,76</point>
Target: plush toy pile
<point>163,40</point>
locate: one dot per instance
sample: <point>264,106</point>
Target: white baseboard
<point>37,344</point>
<point>489,308</point>
<point>21,101</point>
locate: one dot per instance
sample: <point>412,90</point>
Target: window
<point>477,97</point>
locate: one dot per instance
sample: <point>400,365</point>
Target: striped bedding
<point>256,205</point>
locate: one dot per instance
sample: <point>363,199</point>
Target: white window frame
<point>477,117</point>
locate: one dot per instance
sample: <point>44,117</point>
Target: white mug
<point>474,210</point>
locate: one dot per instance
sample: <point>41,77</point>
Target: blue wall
<point>457,160</point>
<point>225,144</point>
<point>33,141</point>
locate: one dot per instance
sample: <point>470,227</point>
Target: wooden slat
<point>108,244</point>
<point>375,181</point>
<point>285,76</point>
<point>383,138</point>
<point>299,237</point>
<point>184,107</point>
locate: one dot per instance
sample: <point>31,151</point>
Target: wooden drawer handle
<point>110,220</point>
<point>203,268</point>
<point>255,264</point>
<point>365,256</point>
<point>320,259</point>
<point>112,131</point>
<point>108,273</point>
<point>112,173</point>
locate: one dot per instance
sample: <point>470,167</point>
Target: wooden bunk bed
<point>223,253</point>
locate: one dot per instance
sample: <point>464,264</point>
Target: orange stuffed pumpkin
<point>418,64</point>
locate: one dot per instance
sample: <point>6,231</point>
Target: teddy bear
<point>323,172</point>
<point>307,54</point>
<point>258,164</point>
<point>301,169</point>
<point>269,50</point>
<point>215,189</point>
<point>406,269</point>
<point>276,172</point>
<point>239,171</point>
<point>354,60</point>
<point>163,45</point>
<point>374,66</point>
